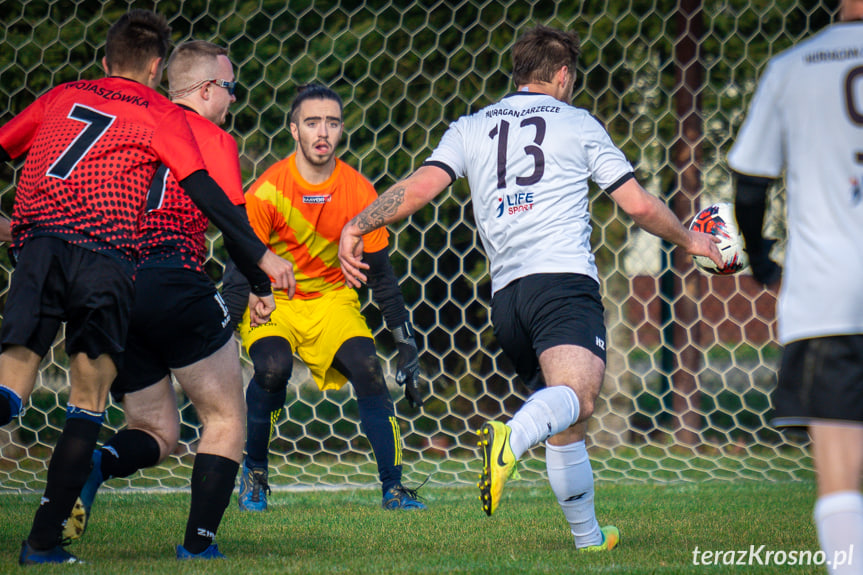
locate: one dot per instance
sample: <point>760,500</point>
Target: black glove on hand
<point>408,365</point>
<point>765,270</point>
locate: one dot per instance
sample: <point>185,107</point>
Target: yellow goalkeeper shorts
<point>315,328</point>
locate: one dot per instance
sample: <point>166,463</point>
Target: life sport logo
<point>514,203</point>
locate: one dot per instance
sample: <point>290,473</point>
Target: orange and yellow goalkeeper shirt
<point>302,222</point>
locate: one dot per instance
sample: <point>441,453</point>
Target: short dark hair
<point>541,52</point>
<point>192,61</point>
<point>136,39</point>
<point>313,91</point>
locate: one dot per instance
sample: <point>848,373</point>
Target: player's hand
<point>351,256</point>
<point>260,309</point>
<point>701,244</point>
<point>281,272</point>
<point>408,365</point>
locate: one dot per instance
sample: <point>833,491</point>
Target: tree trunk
<point>687,160</point>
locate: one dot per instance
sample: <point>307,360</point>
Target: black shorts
<point>820,378</point>
<point>54,282</point>
<point>178,318</point>
<point>541,311</point>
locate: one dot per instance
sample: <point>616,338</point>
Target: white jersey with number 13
<point>528,159</point>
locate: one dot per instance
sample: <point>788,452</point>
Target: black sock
<point>10,405</point>
<point>127,452</point>
<point>263,408</point>
<point>213,478</point>
<point>377,417</point>
<point>5,411</point>
<point>67,473</point>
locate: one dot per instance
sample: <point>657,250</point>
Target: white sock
<point>548,412</point>
<point>571,479</point>
<point>839,520</point>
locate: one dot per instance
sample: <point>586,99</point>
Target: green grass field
<point>345,531</point>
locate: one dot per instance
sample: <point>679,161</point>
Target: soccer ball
<point>718,219</point>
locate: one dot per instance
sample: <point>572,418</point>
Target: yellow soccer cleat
<point>610,539</point>
<point>76,524</point>
<point>498,463</point>
<point>77,521</point>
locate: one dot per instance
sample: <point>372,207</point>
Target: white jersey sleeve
<point>758,150</point>
<point>806,119</point>
<point>528,160</point>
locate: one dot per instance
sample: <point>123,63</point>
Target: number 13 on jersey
<point>501,132</point>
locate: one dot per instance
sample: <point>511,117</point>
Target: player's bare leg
<point>90,381</point>
<point>151,433</point>
<point>153,410</point>
<point>18,369</point>
<point>837,449</point>
<point>215,387</point>
<point>70,464</point>
<point>573,376</point>
<point>566,458</point>
<point>556,414</point>
<point>576,368</point>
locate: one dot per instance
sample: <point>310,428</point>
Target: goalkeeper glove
<point>408,365</point>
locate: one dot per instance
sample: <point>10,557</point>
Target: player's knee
<point>163,427</point>
<point>167,447</point>
<point>273,378</point>
<point>357,360</point>
<point>273,360</point>
<point>224,437</point>
<point>168,439</point>
<point>586,406</point>
<point>587,396</point>
<point>368,380</point>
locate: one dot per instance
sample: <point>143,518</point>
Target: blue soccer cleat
<point>30,556</point>
<point>76,524</point>
<point>400,497</point>
<point>211,552</point>
<point>254,488</point>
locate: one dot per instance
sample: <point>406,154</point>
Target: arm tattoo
<point>375,216</point>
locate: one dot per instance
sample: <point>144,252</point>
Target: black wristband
<point>261,289</point>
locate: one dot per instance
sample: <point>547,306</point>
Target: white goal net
<point>692,359</point>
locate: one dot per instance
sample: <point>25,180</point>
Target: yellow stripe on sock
<point>397,437</point>
<point>274,417</point>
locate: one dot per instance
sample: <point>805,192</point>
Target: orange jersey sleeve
<point>303,222</point>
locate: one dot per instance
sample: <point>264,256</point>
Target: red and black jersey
<point>171,229</point>
<point>93,147</point>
